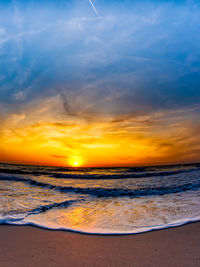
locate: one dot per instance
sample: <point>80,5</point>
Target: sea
<point>100,200</point>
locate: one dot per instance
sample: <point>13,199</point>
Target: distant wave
<point>120,176</point>
<point>16,171</point>
<point>77,175</point>
<point>108,192</point>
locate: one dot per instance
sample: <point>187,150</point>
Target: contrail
<point>94,8</point>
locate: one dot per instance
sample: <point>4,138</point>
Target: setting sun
<point>75,161</point>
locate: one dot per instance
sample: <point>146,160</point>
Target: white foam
<point>100,231</point>
<point>118,215</point>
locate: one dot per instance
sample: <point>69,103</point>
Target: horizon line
<point>81,167</point>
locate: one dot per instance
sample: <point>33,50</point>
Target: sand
<point>26,246</point>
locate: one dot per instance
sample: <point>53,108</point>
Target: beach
<point>27,246</point>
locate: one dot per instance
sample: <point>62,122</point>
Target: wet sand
<point>27,246</point>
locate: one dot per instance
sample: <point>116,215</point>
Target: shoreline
<point>154,228</point>
<point>33,246</point>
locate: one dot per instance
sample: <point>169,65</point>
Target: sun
<point>76,161</point>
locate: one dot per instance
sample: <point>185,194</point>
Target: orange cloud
<point>38,136</point>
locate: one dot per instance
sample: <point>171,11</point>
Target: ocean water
<point>100,200</point>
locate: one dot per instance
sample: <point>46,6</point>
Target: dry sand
<point>26,246</point>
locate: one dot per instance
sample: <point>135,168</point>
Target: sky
<point>101,83</point>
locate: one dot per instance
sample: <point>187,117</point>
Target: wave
<point>108,192</point>
<point>17,171</point>
<point>93,176</point>
<point>120,176</point>
<point>44,208</point>
<point>41,209</point>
